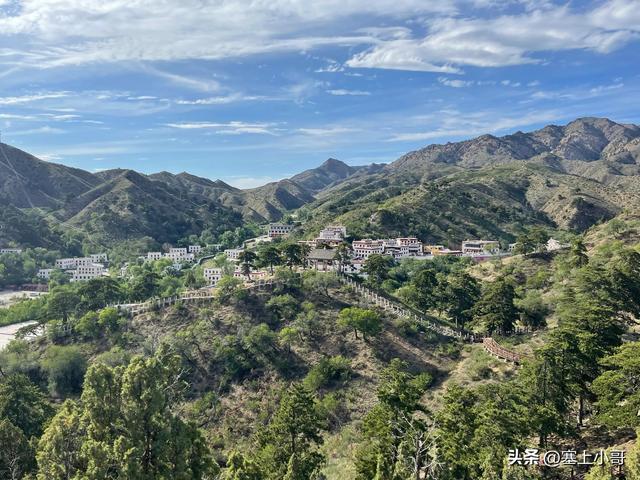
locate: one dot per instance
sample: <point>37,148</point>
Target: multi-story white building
<point>154,256</point>
<point>279,229</point>
<point>88,272</point>
<point>480,247</point>
<point>180,255</point>
<point>45,273</point>
<point>98,257</point>
<point>212,275</point>
<point>367,247</point>
<point>195,249</point>
<point>10,250</point>
<point>333,232</point>
<point>233,253</point>
<point>73,263</point>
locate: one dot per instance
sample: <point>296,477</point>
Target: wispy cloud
<point>229,128</point>
<point>342,92</point>
<point>32,98</point>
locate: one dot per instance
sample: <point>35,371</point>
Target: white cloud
<point>31,98</point>
<point>330,131</point>
<point>470,125</point>
<point>455,83</point>
<point>508,39</point>
<point>342,92</point>
<point>222,99</point>
<point>229,128</point>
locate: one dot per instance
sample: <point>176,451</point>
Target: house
<point>195,249</point>
<point>98,257</point>
<point>355,267</point>
<point>253,274</point>
<point>321,258</point>
<point>212,275</point>
<point>88,272</point>
<point>10,250</point>
<point>73,263</point>
<point>367,247</point>
<point>45,273</point>
<point>233,253</point>
<point>333,233</point>
<point>433,249</point>
<point>154,256</point>
<point>480,247</point>
<point>279,229</point>
<point>179,255</point>
<point>553,245</point>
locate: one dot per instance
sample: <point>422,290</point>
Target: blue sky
<point>256,90</point>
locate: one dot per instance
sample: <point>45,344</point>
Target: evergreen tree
<point>289,444</point>
<point>495,311</point>
<point>123,428</point>
<point>360,320</point>
<point>377,268</point>
<point>269,256</point>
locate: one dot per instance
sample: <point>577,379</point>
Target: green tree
<point>617,389</point>
<point>294,430</point>
<point>578,253</point>
<point>377,268</point>
<point>293,255</point>
<point>461,293</point>
<point>426,287</point>
<point>269,256</point>
<point>123,427</point>
<point>24,405</point>
<point>495,311</point>
<point>16,455</point>
<point>62,302</point>
<point>247,260</point>
<point>65,367</point>
<point>360,320</point>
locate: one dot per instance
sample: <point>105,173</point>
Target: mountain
<point>567,177</point>
<point>27,182</point>
<point>117,205</point>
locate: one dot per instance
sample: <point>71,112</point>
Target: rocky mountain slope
<point>568,176</point>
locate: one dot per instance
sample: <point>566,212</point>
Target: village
<point>329,251</point>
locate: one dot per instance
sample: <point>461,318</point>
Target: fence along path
<point>489,344</point>
<point>202,295</point>
<point>493,348</point>
<point>190,296</point>
<point>400,310</point>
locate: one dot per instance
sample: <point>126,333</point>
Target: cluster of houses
<point>80,269</point>
<point>176,254</point>
<point>10,250</point>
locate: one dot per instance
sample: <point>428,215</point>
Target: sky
<point>250,91</point>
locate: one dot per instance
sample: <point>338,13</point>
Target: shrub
<point>65,367</point>
<point>328,371</point>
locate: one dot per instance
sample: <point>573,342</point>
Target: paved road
<point>8,333</point>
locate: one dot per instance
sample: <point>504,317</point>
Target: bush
<point>328,371</point>
<point>65,367</point>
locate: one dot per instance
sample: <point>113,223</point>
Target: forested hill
<point>305,378</point>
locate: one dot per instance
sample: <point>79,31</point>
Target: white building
<point>45,273</point>
<point>88,272</point>
<point>98,257</point>
<point>279,229</point>
<point>480,247</point>
<point>333,233</point>
<point>180,255</point>
<point>233,253</point>
<point>10,250</point>
<point>356,266</point>
<point>367,247</point>
<point>195,249</point>
<point>253,274</point>
<point>154,256</point>
<point>73,263</point>
<point>212,275</point>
